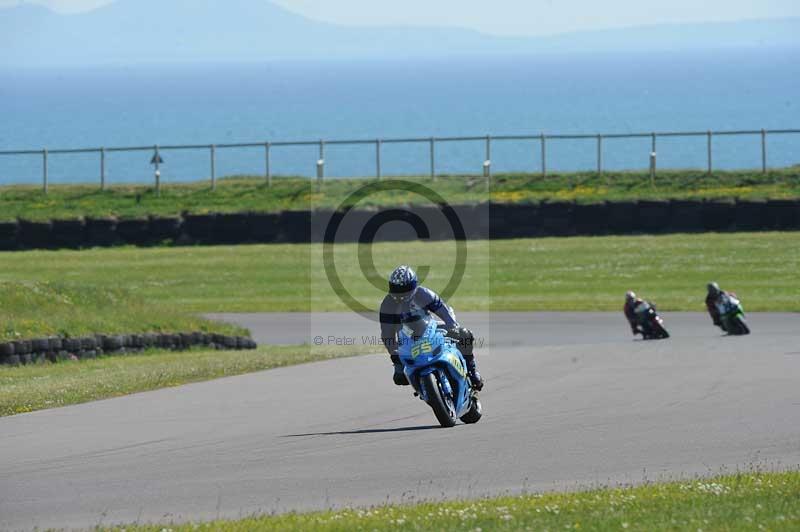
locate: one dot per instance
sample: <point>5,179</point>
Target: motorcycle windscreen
<point>416,325</point>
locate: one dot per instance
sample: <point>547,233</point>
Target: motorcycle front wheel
<point>442,405</point>
<point>654,331</point>
<point>474,413</point>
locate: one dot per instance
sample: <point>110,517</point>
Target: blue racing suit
<point>425,301</point>
<point>394,313</point>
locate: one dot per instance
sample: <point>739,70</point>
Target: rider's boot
<point>474,376</point>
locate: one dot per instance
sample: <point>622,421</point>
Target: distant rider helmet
<point>630,296</point>
<point>713,289</point>
<point>403,283</point>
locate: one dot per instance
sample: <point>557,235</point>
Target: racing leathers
<point>424,301</point>
<point>632,315</point>
<point>712,304</point>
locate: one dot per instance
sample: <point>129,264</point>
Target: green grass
<point>580,273</point>
<point>745,501</point>
<point>51,307</point>
<point>45,385</point>
<point>672,270</point>
<point>242,193</point>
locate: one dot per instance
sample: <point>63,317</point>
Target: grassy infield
<point>128,290</point>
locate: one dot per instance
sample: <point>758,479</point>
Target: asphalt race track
<point>571,401</point>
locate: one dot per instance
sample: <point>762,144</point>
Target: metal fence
<point>268,147</point>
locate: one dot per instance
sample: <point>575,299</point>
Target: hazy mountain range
<point>155,31</point>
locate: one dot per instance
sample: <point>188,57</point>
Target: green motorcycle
<point>731,314</point>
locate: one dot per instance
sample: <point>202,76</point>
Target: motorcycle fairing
<point>432,352</point>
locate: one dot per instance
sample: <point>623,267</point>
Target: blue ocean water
<point>635,92</point>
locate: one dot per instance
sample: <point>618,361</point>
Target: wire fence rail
<point>269,146</point>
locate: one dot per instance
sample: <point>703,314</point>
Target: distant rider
<point>406,298</point>
<point>713,298</point>
<point>632,304</point>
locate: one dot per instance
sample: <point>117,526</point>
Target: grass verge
<point>41,386</point>
<point>50,307</point>
<point>243,193</point>
<point>746,501</point>
<point>581,273</point>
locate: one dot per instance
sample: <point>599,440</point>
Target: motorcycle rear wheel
<point>442,406</point>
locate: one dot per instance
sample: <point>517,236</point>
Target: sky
<point>510,17</point>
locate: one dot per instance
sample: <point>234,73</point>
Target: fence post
<point>763,151</point>
<point>157,159</point>
<point>321,165</point>
<point>708,136</point>
<point>378,158</point>
<point>44,170</point>
<point>213,167</point>
<point>544,156</point>
<point>267,169</point>
<point>600,154</point>
<point>102,168</point>
<point>433,159</point>
<point>653,155</point>
<point>488,161</point>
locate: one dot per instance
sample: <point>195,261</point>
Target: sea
<point>204,104</point>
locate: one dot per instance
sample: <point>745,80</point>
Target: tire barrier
<point>68,233</point>
<point>476,219</point>
<point>514,220</point>
<point>200,228</point>
<point>166,228</point>
<point>35,235</point>
<point>591,218</point>
<point>264,227</point>
<point>718,215</point>
<point>783,214</point>
<point>294,227</point>
<point>231,228</point>
<point>101,232</point>
<point>557,218</point>
<point>749,215</point>
<point>484,220</point>
<point>135,231</point>
<point>8,235</point>
<point>653,216</point>
<point>55,349</point>
<point>686,216</point>
<point>622,217</point>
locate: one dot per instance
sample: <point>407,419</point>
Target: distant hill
<point>155,31</point>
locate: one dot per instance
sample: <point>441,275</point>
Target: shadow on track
<point>362,431</point>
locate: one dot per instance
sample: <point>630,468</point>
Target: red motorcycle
<point>650,325</point>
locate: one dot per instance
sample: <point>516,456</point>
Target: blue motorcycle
<point>436,369</point>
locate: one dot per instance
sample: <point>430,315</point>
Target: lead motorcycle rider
<point>406,298</point>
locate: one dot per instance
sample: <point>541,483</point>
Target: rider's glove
<point>399,376</point>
